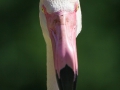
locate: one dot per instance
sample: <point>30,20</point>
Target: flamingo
<point>60,21</point>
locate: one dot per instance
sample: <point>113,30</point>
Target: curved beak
<point>62,30</point>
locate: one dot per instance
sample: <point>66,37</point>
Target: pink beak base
<point>62,30</point>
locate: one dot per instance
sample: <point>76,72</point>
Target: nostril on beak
<point>59,20</point>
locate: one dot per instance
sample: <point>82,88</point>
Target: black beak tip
<point>67,80</point>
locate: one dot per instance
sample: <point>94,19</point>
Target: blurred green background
<point>23,50</point>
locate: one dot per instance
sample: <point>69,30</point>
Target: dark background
<point>23,50</point>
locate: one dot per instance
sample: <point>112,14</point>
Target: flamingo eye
<point>42,10</point>
<point>76,7</point>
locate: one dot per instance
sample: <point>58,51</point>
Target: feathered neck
<point>51,75</point>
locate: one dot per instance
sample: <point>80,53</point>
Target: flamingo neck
<point>51,75</point>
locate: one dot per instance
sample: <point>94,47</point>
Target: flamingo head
<point>61,23</point>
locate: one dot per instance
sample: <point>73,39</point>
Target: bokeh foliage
<point>23,50</point>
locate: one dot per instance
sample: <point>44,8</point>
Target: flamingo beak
<point>62,30</point>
